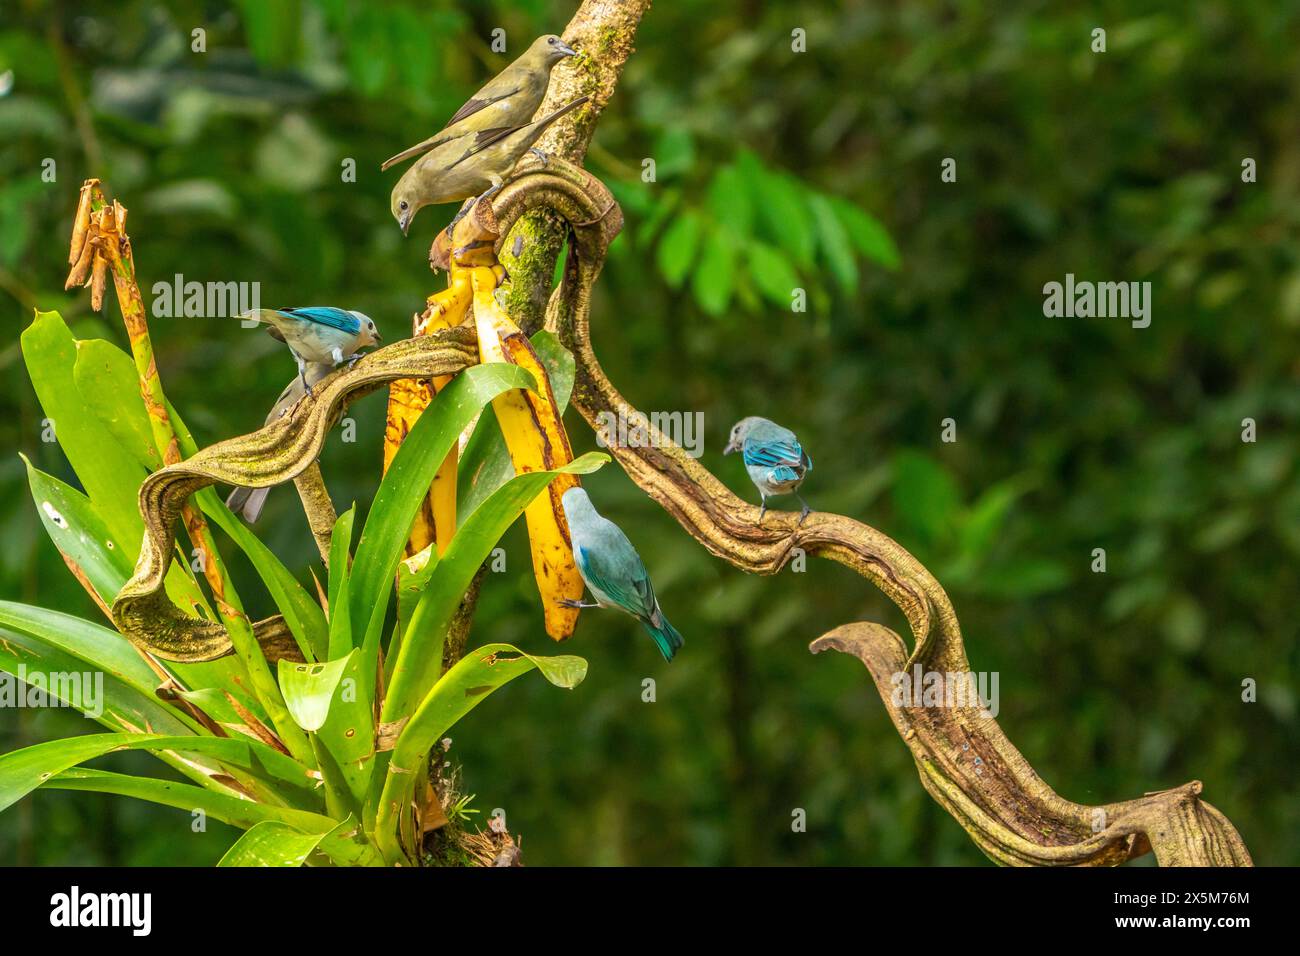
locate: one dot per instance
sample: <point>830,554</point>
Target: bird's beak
<point>566,49</point>
<point>404,220</point>
<point>379,339</point>
<point>731,446</point>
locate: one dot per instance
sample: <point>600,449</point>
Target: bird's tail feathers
<point>666,637</point>
<point>546,121</point>
<point>248,502</point>
<point>418,149</point>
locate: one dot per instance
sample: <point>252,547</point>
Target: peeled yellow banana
<point>536,440</point>
<point>408,398</point>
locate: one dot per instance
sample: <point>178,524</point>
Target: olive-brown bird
<point>475,164</point>
<point>509,99</point>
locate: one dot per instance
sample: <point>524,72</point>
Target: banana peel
<point>408,398</point>
<point>537,441</point>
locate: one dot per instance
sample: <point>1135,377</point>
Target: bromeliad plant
<point>303,729</point>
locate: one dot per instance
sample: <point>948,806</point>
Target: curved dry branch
<point>280,452</point>
<point>965,761</point>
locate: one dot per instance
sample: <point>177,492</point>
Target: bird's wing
<point>620,575</point>
<point>478,102</point>
<point>328,316</point>
<point>773,452</point>
<point>484,138</point>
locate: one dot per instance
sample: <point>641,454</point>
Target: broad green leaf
<point>108,382</point>
<point>468,684</point>
<point>678,247</point>
<point>100,647</point>
<point>485,463</point>
<point>22,771</point>
<point>730,202</point>
<point>271,843</point>
<point>75,527</point>
<point>924,495</point>
<point>124,704</point>
<point>309,688</point>
<point>344,846</point>
<point>674,152</point>
<point>834,241</point>
<point>783,208</point>
<point>236,811</point>
<point>348,734</point>
<point>420,656</point>
<point>868,235</point>
<point>403,489</point>
<point>713,280</point>
<point>772,273</point>
<point>984,519</point>
<point>459,691</point>
<point>109,474</point>
<point>340,617</point>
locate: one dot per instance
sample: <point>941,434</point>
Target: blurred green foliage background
<point>774,169</point>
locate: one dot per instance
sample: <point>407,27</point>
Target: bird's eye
<point>402,204</point>
<point>551,41</point>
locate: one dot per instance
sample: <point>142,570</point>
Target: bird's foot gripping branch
<point>964,760</point>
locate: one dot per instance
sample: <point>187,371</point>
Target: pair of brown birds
<point>480,145</point>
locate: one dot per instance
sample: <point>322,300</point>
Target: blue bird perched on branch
<point>318,334</point>
<point>775,460</point>
<point>613,571</point>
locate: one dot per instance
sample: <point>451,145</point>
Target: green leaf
<point>342,844</point>
<point>236,811</point>
<point>772,273</point>
<point>460,690</point>
<point>75,527</point>
<point>22,771</point>
<point>730,202</point>
<point>110,476</point>
<point>340,619</point>
<point>309,688</point>
<point>108,382</point>
<point>271,844</point>
<point>674,152</point>
<point>784,211</point>
<point>867,234</point>
<point>834,241</point>
<point>714,277</point>
<point>348,737</point>
<point>485,463</point>
<point>467,684</point>
<point>985,518</point>
<point>404,487</point>
<point>123,705</point>
<point>420,657</point>
<point>678,246</point>
<point>924,495</point>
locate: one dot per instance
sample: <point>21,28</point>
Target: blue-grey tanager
<point>775,460</point>
<point>613,571</point>
<point>249,501</point>
<point>318,333</point>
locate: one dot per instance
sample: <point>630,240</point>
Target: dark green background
<point>1073,434</point>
